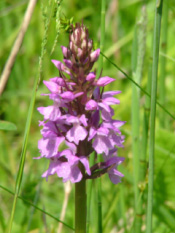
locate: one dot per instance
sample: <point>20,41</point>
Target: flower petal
<point>76,133</point>
<point>101,82</point>
<point>90,76</point>
<point>94,55</point>
<point>102,144</point>
<point>91,105</point>
<point>58,65</point>
<point>50,112</point>
<point>110,93</point>
<point>52,86</point>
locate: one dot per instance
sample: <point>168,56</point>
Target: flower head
<point>80,119</point>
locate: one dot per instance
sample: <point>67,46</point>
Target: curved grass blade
<point>36,207</point>
<point>145,92</point>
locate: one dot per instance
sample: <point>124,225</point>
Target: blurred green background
<point>117,200</point>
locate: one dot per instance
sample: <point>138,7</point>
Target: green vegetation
<point>128,45</point>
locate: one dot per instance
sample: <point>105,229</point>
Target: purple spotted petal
<point>116,140</point>
<point>102,144</point>
<point>52,86</point>
<point>50,112</point>
<point>106,116</point>
<point>102,131</point>
<point>49,147</point>
<point>76,133</point>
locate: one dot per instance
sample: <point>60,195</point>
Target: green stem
<point>138,54</point>
<point>100,67</point>
<point>146,124</point>
<point>135,121</point>
<point>156,41</point>
<point>163,61</point>
<point>102,37</point>
<point>80,207</point>
<point>89,195</point>
<point>99,207</point>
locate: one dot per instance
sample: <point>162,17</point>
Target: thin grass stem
<point>146,123</point>
<point>163,61</point>
<point>135,121</point>
<point>102,36</point>
<point>100,67</point>
<point>156,41</point>
<point>137,67</point>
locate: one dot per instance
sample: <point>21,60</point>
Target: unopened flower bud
<point>94,55</point>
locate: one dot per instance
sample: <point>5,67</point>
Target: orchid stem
<point>80,207</point>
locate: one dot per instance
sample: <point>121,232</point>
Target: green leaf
<point>5,125</point>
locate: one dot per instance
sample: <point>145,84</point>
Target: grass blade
<point>163,61</point>
<point>156,41</point>
<point>137,68</point>
<point>23,154</point>
<point>100,67</point>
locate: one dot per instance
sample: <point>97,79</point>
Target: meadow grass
<point>29,203</point>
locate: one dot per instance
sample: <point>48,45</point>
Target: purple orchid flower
<point>80,119</point>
